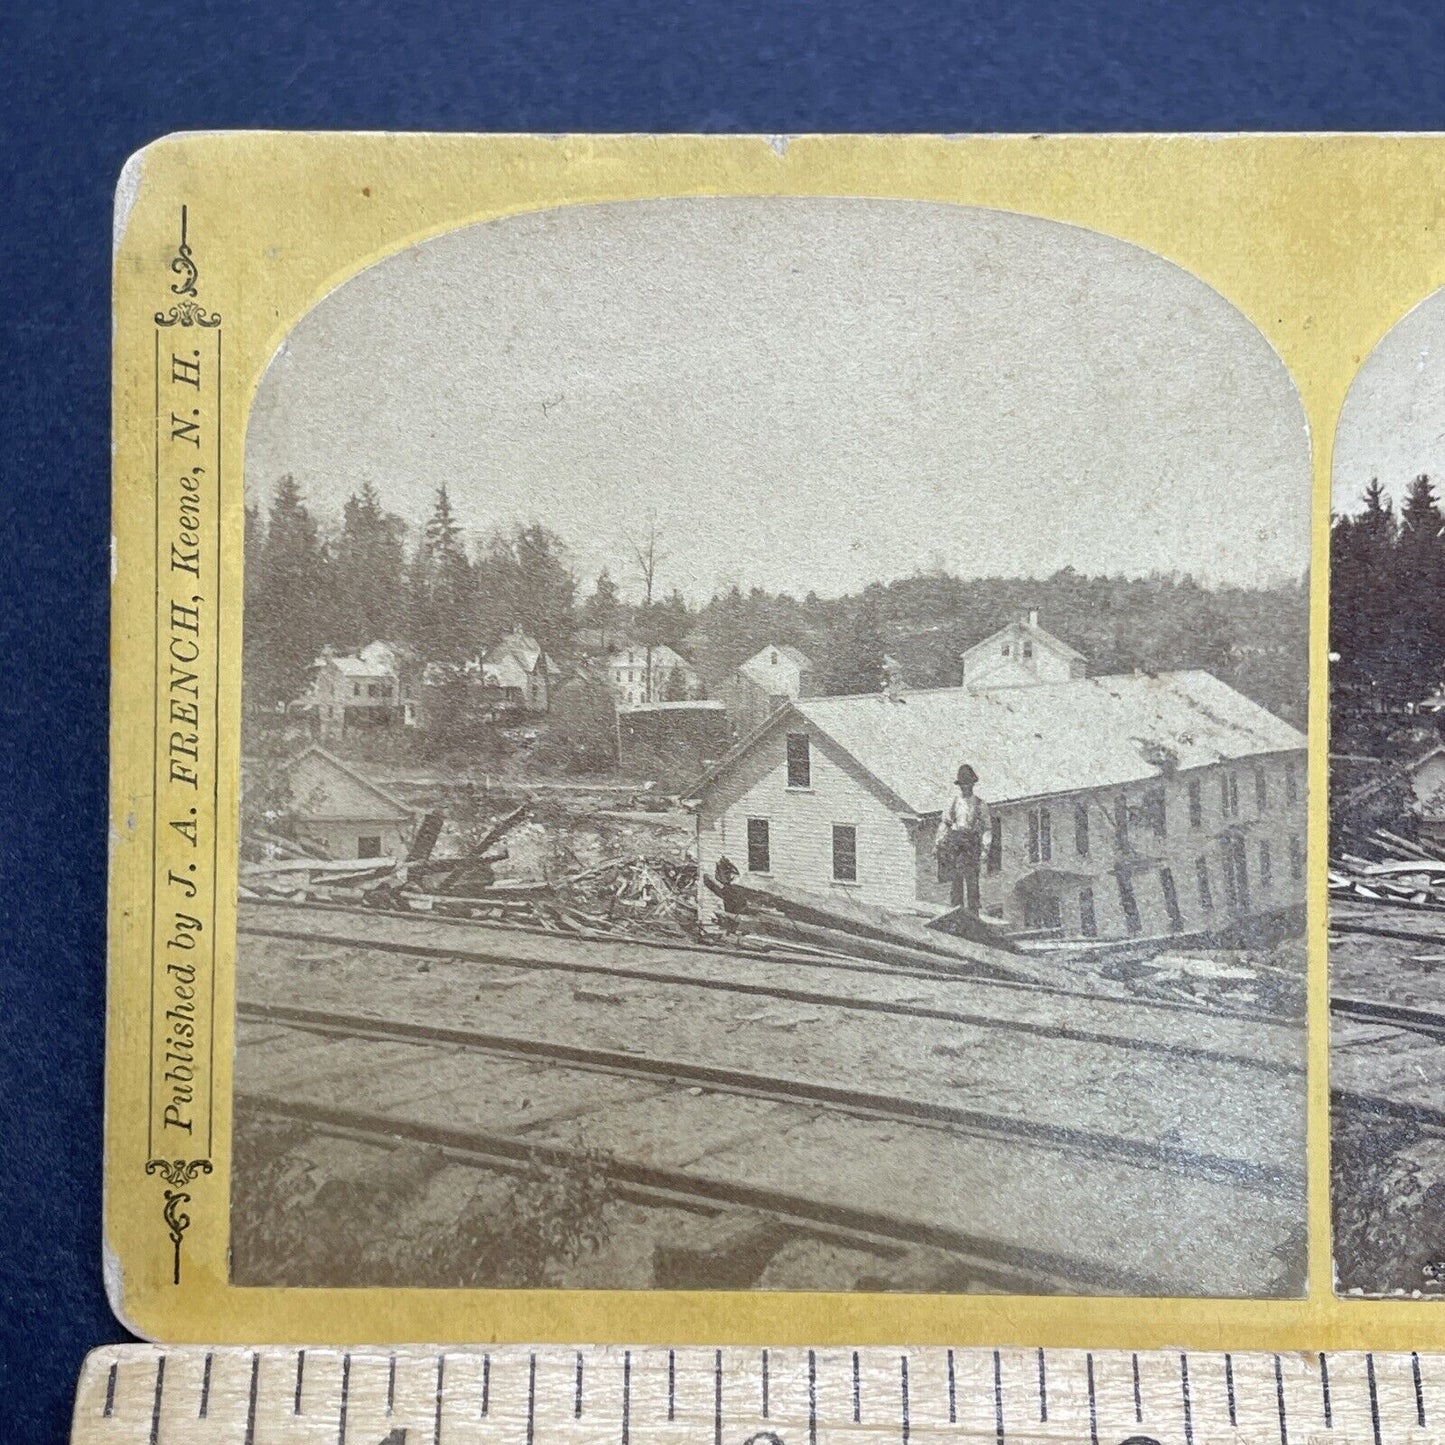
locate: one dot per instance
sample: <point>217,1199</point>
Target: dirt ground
<point>317,1210</point>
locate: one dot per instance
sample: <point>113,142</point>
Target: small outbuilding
<point>337,810</point>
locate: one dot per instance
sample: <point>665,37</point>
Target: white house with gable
<point>640,676</point>
<point>1020,654</point>
<point>772,676</point>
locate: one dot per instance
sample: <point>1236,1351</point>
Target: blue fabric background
<point>84,85</point>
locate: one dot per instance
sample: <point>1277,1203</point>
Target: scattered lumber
<point>330,866</point>
<point>839,920</point>
<point>827,942</point>
<point>427,834</point>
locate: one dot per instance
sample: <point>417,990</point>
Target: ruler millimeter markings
<point>610,1395</point>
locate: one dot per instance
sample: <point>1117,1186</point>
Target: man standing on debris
<point>961,833</point>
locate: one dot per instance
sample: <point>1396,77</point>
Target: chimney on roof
<point>1033,617</point>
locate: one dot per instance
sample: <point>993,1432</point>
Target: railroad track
<point>889,1108</point>
<point>1430,1022</point>
<point>1045,1138</point>
<point>774,954</point>
<point>1018,1207</point>
<point>979,1259</point>
<point>1283,1054</point>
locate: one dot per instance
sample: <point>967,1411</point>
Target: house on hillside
<point>1020,654</point>
<point>1132,805</point>
<point>347,693</point>
<point>643,675</point>
<point>339,811</point>
<point>773,676</point>
<point>517,675</point>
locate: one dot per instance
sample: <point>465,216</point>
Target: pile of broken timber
<point>417,881</point>
<point>648,897</point>
<point>1404,875</point>
<point>813,925</point>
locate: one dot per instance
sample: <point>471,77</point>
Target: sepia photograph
<point>774,757</point>
<point>1387,818</point>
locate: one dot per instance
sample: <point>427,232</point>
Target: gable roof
<point>1055,737</point>
<point>759,666</point>
<point>635,655</point>
<point>505,669</point>
<point>528,652</point>
<point>356,667</point>
<point>338,791</point>
<point>1037,633</point>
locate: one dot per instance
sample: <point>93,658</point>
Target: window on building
<point>1041,835</point>
<point>845,853</point>
<point>1088,921</point>
<point>1005,650</point>
<point>368,845</point>
<point>1261,790</point>
<point>773,660</point>
<point>800,761</point>
<point>1206,893</point>
<point>356,689</point>
<point>1121,823</point>
<point>1155,811</point>
<point>1128,902</point>
<point>1081,829</point>
<point>1296,857</point>
<point>1171,899</point>
<point>1236,871</point>
<point>1291,785</point>
<point>995,845</point>
<point>1266,865</point>
<point>1228,795</point>
<point>759,850</point>
<point>1043,910</point>
<point>1028,649</point>
<point>1196,804</point>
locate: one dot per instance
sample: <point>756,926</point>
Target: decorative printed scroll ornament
<point>184,264</point>
<point>186,313</point>
<point>178,1172</point>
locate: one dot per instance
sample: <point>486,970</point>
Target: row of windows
<point>373,689</point>
<point>1046,910</point>
<point>845,849</point>
<point>1148,813</point>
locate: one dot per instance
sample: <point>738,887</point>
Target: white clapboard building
<point>1127,805</point>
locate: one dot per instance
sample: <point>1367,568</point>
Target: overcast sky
<point>808,393</point>
<point>1392,425</point>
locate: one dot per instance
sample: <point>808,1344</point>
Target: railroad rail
<point>892,1108</point>
<point>870,1231</point>
<point>298,922</point>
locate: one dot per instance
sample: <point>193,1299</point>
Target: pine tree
<point>370,573</point>
<point>602,611</point>
<point>1364,567</point>
<point>285,628</point>
<point>443,590</point>
<point>1416,631</point>
<point>546,588</point>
